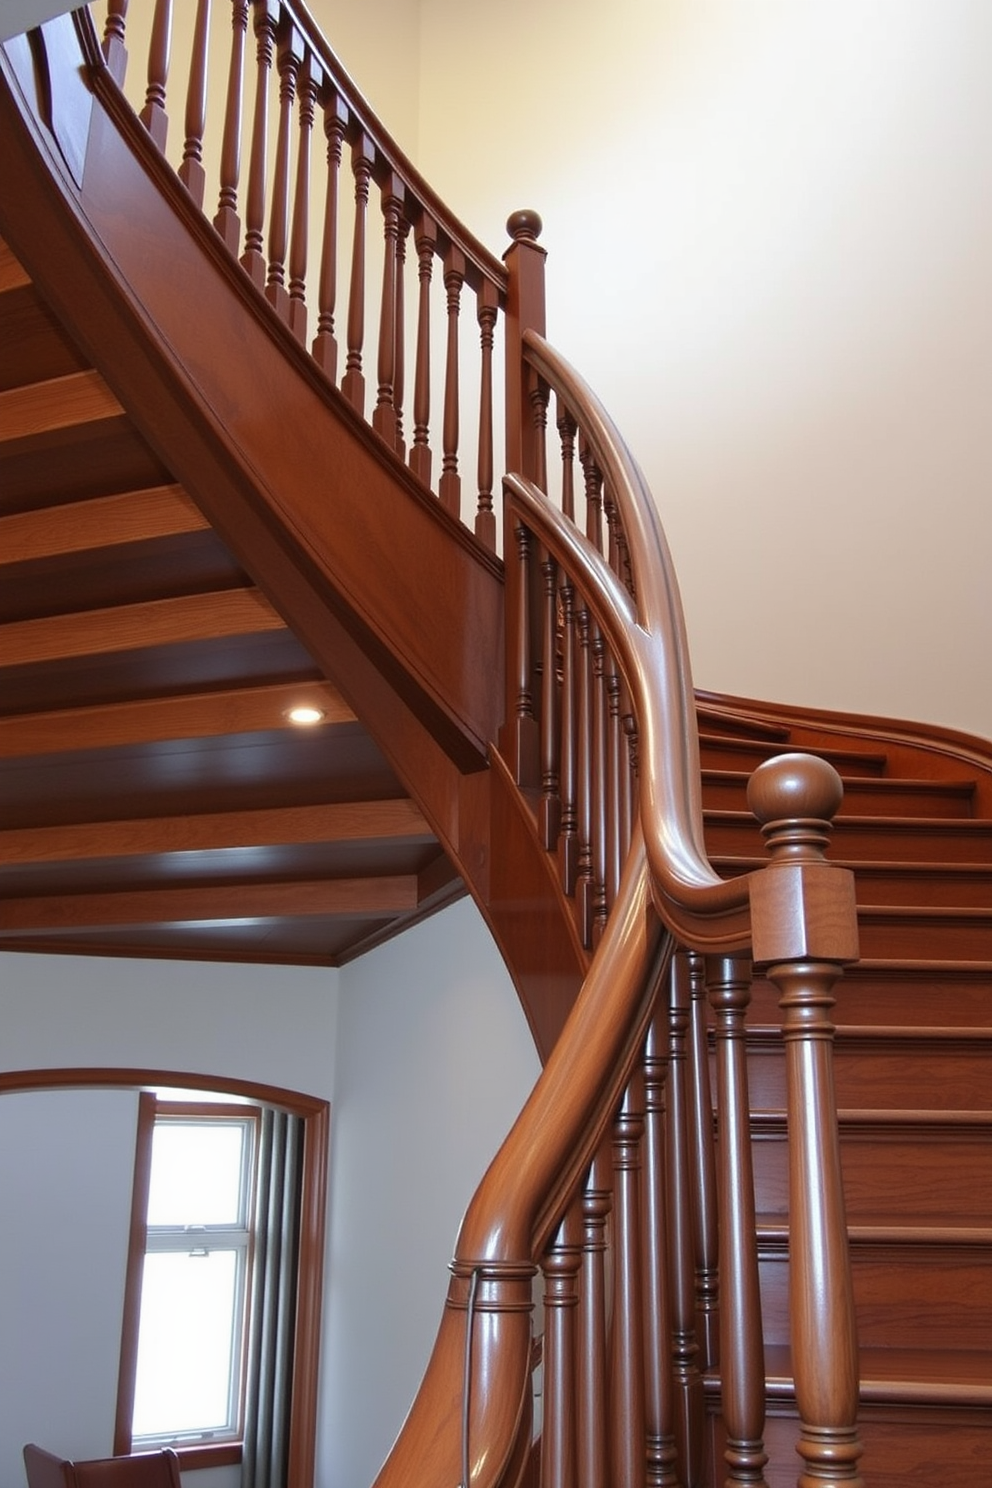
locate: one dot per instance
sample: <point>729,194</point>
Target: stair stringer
<point>395,600</point>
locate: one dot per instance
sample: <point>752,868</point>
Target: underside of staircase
<point>197,533</point>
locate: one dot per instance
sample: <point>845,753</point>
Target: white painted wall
<point>769,229</point>
<point>66,1163</point>
<point>434,1062</point>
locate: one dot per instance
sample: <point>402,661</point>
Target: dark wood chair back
<point>142,1470</point>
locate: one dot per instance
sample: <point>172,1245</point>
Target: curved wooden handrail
<point>647,633</point>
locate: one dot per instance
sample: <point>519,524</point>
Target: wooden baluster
<point>627,1432</point>
<point>592,1434</point>
<point>614,758</point>
<point>568,840</point>
<point>290,61</point>
<point>521,741</point>
<point>804,924</point>
<point>612,518</point>
<point>626,781</point>
<point>525,310</point>
<point>594,494</point>
<point>420,453</point>
<point>742,1356</point>
<point>624,569</point>
<point>153,115</point>
<point>253,259</point>
<point>227,222</point>
<point>384,413</point>
<point>114,39</point>
<point>567,429</point>
<point>540,395</point>
<point>353,382</point>
<point>704,1170</point>
<point>598,803</point>
<point>659,1391</point>
<point>549,814</point>
<point>191,171</point>
<point>450,487</point>
<point>561,1268</point>
<point>584,776</point>
<point>399,358</point>
<point>689,1409</point>
<point>485,519</point>
<point>325,346</point>
<point>308,85</point>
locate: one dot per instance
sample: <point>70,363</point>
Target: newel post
<point>804,925</point>
<point>525,311</point>
<point>519,739</point>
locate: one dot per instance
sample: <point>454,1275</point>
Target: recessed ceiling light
<point>305,715</point>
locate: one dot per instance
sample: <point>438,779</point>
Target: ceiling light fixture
<point>304,716</point>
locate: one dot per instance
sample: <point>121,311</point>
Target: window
<point>196,1275</point>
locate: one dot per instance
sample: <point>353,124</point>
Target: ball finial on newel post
<point>795,798</point>
<point>524,226</point>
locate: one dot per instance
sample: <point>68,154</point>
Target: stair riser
<point>746,756</point>
<point>877,998</point>
<point>911,937</point>
<point>727,791</point>
<point>929,1178</point>
<point>878,842</point>
<point>958,1078</point>
<point>921,1445</point>
<point>903,1298</point>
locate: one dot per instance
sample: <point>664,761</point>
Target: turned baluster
<point>612,519</point>
<point>704,1170</point>
<point>191,171</point>
<point>521,740</point>
<point>289,63</point>
<point>399,357</point>
<point>568,841</point>
<point>561,1269</point>
<point>253,259</point>
<point>450,486</point>
<point>659,1391</point>
<point>525,310</point>
<point>325,346</point>
<point>584,778</point>
<point>804,925</point>
<point>549,815</point>
<point>685,1348</point>
<point>153,115</point>
<point>539,394</point>
<point>384,413</point>
<point>308,86</point>
<point>227,222</point>
<point>353,382</point>
<point>615,846</point>
<point>420,453</point>
<point>625,781</point>
<point>114,38</point>
<point>485,519</point>
<point>567,429</point>
<point>594,494</point>
<point>627,1439</point>
<point>598,813</point>
<point>742,1359</point>
<point>592,1434</point>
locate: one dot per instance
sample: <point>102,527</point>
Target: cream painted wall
<point>769,229</point>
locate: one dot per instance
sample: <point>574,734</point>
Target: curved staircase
<point>199,526</point>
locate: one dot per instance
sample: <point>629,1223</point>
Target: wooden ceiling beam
<point>243,710</point>
<point>105,522</point>
<point>59,403</point>
<point>340,821</point>
<point>156,622</point>
<point>356,898</point>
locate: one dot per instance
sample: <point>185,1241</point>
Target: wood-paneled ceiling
<point>155,799</point>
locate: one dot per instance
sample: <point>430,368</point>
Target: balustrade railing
<point>359,258</point>
<point>622,1179</point>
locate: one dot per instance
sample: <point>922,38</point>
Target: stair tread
<point>939,1376</point>
<point>873,762</point>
